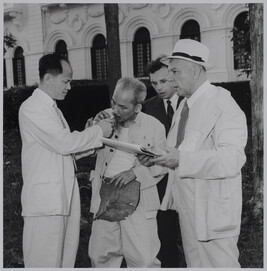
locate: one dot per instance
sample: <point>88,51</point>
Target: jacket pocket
<point>47,179</point>
<point>220,215</point>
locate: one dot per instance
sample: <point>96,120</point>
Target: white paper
<point>128,147</point>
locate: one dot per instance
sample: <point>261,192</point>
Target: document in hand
<point>128,147</point>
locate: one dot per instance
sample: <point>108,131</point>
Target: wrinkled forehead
<point>123,95</point>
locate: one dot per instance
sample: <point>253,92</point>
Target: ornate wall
<point>38,27</point>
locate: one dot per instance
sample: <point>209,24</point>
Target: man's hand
<point>145,160</point>
<point>123,178</point>
<point>170,159</point>
<point>107,126</point>
<point>101,115</point>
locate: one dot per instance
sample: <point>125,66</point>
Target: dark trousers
<point>168,232</point>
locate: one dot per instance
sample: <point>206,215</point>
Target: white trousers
<point>135,238</point>
<point>52,241</point>
<point>221,253</point>
<point>209,254</point>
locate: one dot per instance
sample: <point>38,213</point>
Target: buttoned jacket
<point>146,131</point>
<point>47,166</point>
<point>211,158</point>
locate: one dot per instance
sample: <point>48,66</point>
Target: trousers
<point>135,239</point>
<point>52,241</point>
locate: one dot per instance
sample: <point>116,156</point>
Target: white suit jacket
<point>211,158</point>
<point>146,131</point>
<point>47,166</point>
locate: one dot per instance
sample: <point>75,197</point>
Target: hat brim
<point>166,60</point>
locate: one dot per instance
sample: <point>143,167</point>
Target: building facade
<point>147,30</point>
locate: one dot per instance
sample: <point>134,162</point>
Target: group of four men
<point>197,176</point>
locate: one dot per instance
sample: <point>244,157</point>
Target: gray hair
<point>134,85</point>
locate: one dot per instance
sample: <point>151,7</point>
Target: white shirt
<point>121,160</point>
<point>174,100</point>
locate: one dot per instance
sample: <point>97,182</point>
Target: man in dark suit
<point>162,107</point>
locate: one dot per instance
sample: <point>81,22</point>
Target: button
<point>111,150</point>
<point>106,163</point>
<point>116,137</point>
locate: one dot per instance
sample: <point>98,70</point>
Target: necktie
<point>182,124</point>
<point>64,124</point>
<point>169,111</point>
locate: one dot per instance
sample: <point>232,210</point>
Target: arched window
<point>61,48</point>
<point>241,29</point>
<point>99,58</point>
<point>141,51</point>
<point>190,30</point>
<point>19,67</point>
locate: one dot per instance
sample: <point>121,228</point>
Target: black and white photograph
<point>133,134</point>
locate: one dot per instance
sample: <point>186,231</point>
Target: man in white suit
<point>205,156</point>
<point>50,195</point>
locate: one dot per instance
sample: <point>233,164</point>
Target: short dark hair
<point>155,65</point>
<point>51,63</point>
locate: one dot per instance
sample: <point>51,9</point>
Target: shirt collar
<point>173,100</point>
<point>199,92</point>
<point>137,119</point>
<point>40,94</point>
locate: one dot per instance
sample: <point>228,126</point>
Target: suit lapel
<point>208,120</point>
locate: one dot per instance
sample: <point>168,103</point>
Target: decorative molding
<point>215,6</point>
<point>15,15</point>
<point>137,6</point>
<point>163,10</point>
<point>76,23</point>
<point>57,17</point>
<point>94,11</point>
<point>121,16</point>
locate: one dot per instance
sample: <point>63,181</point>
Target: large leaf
<point>118,203</point>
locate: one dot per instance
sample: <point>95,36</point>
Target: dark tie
<point>182,124</point>
<point>169,111</point>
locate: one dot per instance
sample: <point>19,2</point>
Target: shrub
<point>241,92</point>
<point>12,100</point>
<point>87,97</point>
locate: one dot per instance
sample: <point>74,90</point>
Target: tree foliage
<point>9,41</point>
<point>241,46</point>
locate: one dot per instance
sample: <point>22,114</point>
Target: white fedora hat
<point>190,50</point>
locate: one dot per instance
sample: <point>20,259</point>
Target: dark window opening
<point>190,30</point>
<point>141,51</point>
<point>99,58</point>
<point>19,67</point>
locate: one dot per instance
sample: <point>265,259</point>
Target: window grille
<point>19,67</point>
<point>99,58</point>
<point>141,51</point>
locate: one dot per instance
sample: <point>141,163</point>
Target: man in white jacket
<point>205,155</point>
<point>136,237</point>
<point>50,195</point>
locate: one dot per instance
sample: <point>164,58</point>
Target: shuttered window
<point>99,58</point>
<point>19,67</point>
<point>141,51</point>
